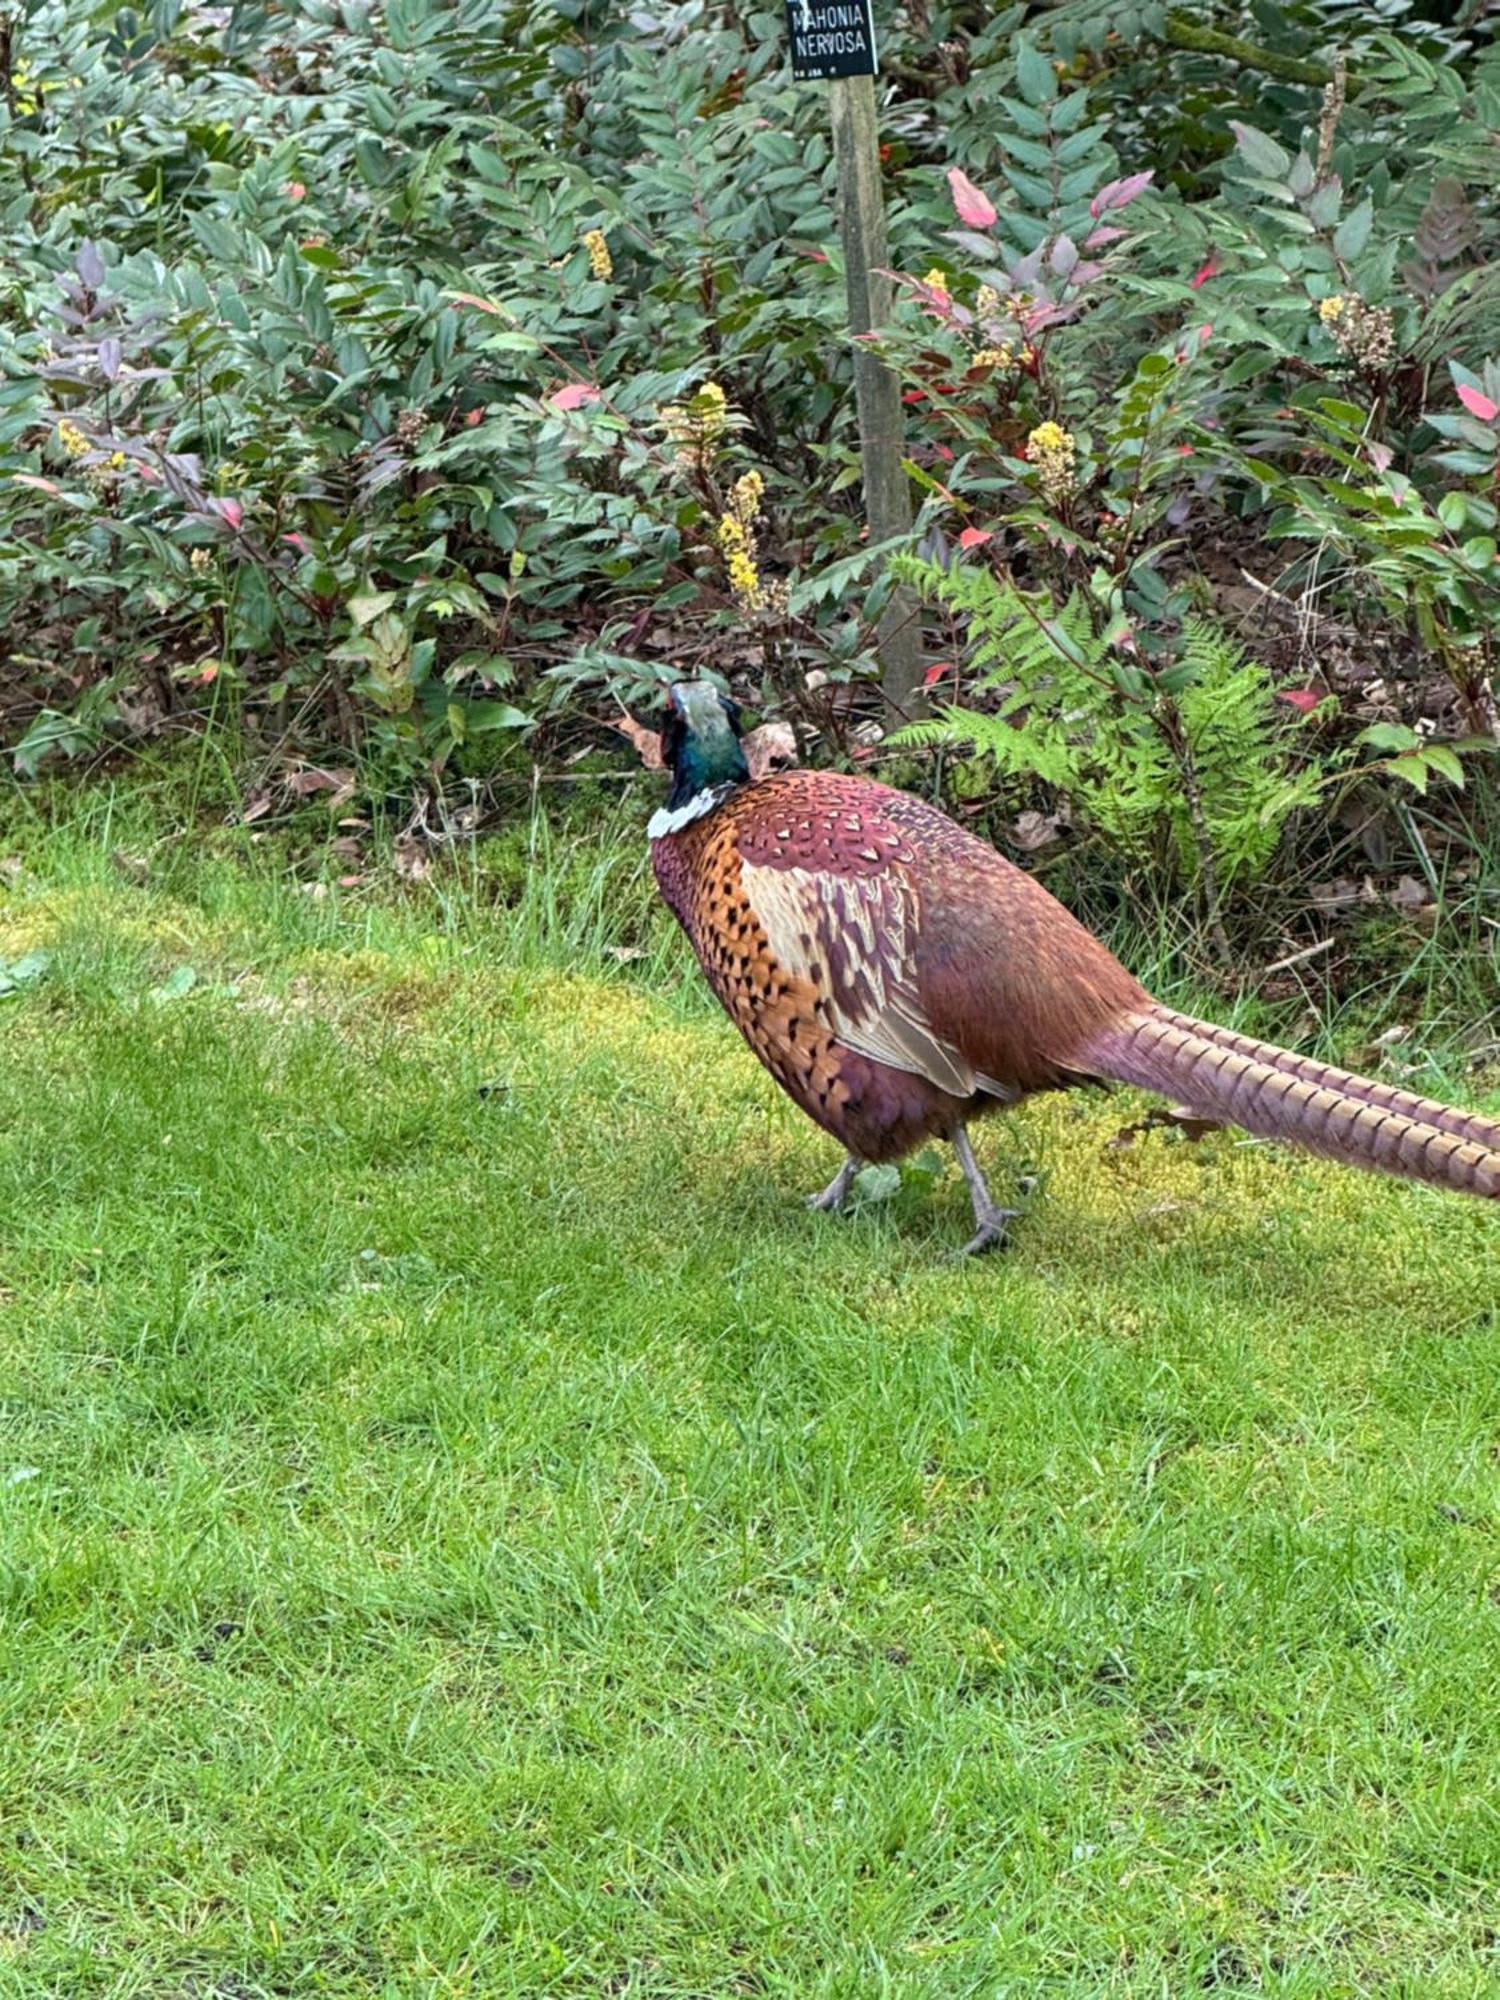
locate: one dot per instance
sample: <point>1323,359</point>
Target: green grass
<point>467,1530</point>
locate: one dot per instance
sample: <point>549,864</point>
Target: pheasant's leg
<point>837,1191</point>
<point>989,1220</point>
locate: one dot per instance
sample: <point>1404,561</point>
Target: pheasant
<point>899,978</point>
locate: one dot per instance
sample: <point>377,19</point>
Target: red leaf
<point>574,396</point>
<point>975,538</point>
<point>1303,699</point>
<point>228,510</point>
<point>1206,271</point>
<point>481,305</point>
<point>1478,404</point>
<point>935,673</point>
<point>1117,193</point>
<point>973,204</point>
<point>294,190</point>
<point>1105,233</point>
<point>944,452</point>
<point>35,479</point>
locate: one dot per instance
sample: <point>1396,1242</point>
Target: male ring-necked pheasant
<point>898,978</point>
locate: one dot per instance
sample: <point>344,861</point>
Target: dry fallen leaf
<point>771,747</point>
<point>645,742</point>
<point>1032,830</point>
<point>411,859</point>
<point>305,783</point>
<point>1410,894</point>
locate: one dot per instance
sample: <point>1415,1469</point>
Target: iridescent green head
<point>701,746</point>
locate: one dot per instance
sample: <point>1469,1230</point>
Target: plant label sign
<point>831,38</point>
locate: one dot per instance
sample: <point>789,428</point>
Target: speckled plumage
<point>870,849</point>
<point>898,978</point>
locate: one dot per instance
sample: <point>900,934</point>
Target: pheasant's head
<point>702,749</point>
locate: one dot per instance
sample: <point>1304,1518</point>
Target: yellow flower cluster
<point>987,302</point>
<point>1366,333</point>
<point>937,277</point>
<point>696,428</point>
<point>745,497</point>
<point>600,262</point>
<point>737,544</point>
<point>72,439</point>
<point>1004,357</point>
<point>1054,453</point>
<point>738,547</point>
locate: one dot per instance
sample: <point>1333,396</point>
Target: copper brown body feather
<point>897,976</point>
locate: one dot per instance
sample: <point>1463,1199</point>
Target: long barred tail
<point>1279,1095</point>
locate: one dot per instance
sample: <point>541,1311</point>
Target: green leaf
<point>1390,736</point>
<point>1412,768</point>
<point>1326,203</point>
<point>878,1183</point>
<point>1034,73</point>
<point>176,986</point>
<point>22,972</point>
<point>1446,763</point>
<point>365,608</point>
<point>1261,153</point>
<point>1353,233</point>
<point>486,715</point>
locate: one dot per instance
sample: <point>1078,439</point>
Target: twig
<point>1328,125</point>
<point>1300,957</point>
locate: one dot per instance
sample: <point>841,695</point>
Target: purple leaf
<point>1116,194</point>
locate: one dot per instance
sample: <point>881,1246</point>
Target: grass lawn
<point>466,1530</point>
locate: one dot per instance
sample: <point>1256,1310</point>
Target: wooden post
<point>877,390</point>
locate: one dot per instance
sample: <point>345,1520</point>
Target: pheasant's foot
<point>989,1218</point>
<point>833,1197</point>
<point>992,1233</point>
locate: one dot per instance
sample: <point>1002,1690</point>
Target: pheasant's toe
<point>992,1233</point>
<point>833,1197</point>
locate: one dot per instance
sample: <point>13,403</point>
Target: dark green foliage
<point>360,371</point>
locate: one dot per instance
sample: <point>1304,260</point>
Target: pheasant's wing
<point>853,938</point>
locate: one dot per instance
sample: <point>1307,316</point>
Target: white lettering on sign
<point>831,38</point>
